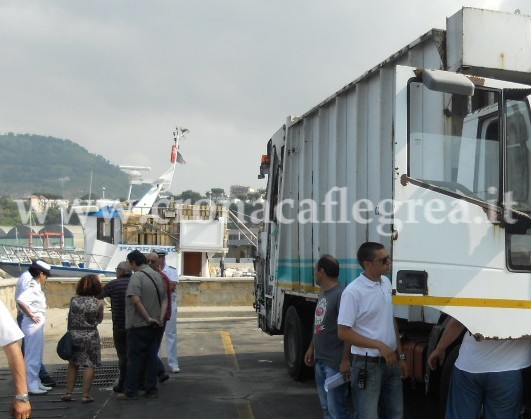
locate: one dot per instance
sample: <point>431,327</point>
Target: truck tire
<point>446,376</point>
<point>296,341</point>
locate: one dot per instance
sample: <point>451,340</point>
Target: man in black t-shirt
<point>115,290</point>
<point>327,352</point>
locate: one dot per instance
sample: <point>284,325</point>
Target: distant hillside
<point>37,164</point>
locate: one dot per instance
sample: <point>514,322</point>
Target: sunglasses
<point>384,261</point>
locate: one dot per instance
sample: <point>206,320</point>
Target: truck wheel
<point>446,376</point>
<point>296,342</point>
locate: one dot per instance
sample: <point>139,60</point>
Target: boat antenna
<point>135,177</point>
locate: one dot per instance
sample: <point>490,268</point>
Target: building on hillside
<point>217,196</point>
<point>39,203</point>
<point>240,190</point>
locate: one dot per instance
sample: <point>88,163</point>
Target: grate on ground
<point>105,376</point>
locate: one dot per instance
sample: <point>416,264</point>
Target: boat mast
<point>62,238</point>
<point>163,183</point>
<point>90,188</point>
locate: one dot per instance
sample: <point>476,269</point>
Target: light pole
<point>103,192</point>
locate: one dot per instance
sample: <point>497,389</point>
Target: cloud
<point>117,76</point>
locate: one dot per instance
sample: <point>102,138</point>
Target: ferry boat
<point>190,234</point>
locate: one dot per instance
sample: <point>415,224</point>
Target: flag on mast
<point>176,155</point>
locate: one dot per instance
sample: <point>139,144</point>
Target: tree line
<point>12,211</point>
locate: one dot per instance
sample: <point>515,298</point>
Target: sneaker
<point>37,391</point>
<point>153,395</point>
<point>163,377</point>
<point>45,388</point>
<point>48,381</point>
<point>118,389</point>
<point>176,370</point>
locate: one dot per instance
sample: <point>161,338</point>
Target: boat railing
<point>22,254</point>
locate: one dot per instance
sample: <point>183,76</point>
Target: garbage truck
<point>428,153</point>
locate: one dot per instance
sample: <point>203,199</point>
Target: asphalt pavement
<point>229,369</point>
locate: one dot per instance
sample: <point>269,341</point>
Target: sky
<point>117,76</point>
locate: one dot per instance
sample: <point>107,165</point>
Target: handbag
<point>65,346</point>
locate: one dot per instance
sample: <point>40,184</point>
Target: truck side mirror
<point>445,82</point>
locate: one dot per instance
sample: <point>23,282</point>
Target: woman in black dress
<point>86,312</point>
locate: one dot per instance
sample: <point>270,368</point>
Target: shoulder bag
<point>65,346</point>
<point>155,285</point>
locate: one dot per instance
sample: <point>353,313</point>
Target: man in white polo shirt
<point>367,323</point>
<point>486,373</point>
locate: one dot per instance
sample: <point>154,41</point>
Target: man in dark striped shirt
<point>116,290</point>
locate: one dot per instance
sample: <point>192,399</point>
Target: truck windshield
<point>517,194</point>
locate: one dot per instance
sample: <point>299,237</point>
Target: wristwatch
<point>22,398</point>
<point>402,357</point>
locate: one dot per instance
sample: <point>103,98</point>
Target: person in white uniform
<point>22,284</point>
<point>171,325</point>
<point>32,303</point>
<point>10,334</point>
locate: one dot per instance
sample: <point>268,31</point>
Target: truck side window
<point>460,154</point>
<point>518,138</point>
<point>518,154</point>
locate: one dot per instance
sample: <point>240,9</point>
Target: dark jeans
<point>142,347</point>
<point>161,369</point>
<point>120,343</point>
<point>334,402</point>
<point>500,393</point>
<point>43,374</point>
<point>382,396</point>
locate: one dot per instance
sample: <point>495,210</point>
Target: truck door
<point>461,195</point>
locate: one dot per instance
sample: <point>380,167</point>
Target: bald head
<point>153,260</point>
<point>123,269</point>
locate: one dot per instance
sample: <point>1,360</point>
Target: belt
<point>375,359</point>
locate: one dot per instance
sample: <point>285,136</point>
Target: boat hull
<point>16,269</point>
